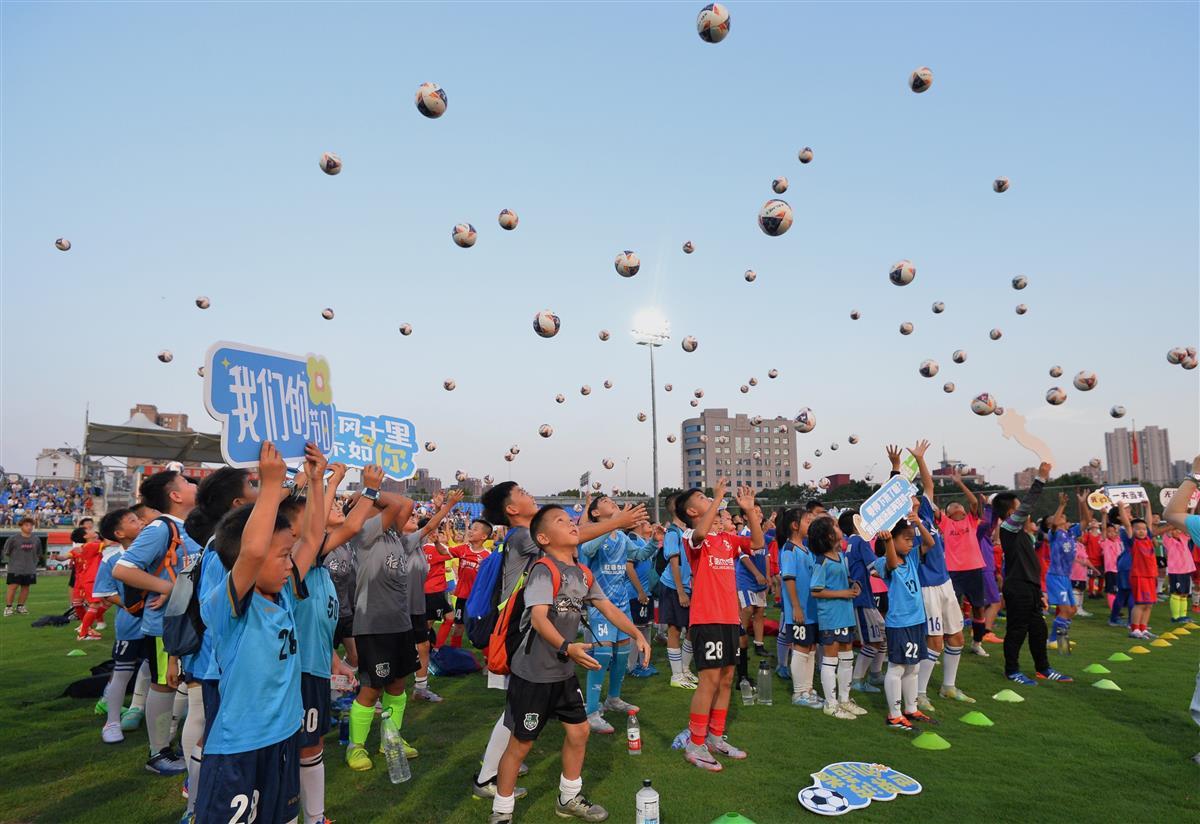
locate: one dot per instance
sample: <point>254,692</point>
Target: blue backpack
<point>484,600</point>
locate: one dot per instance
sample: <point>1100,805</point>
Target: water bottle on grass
<point>646,804</point>
<point>393,750</point>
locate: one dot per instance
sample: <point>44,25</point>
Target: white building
<point>57,463</point>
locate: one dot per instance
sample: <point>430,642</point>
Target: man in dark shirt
<point>21,552</point>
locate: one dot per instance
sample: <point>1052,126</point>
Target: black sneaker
<point>165,763</point>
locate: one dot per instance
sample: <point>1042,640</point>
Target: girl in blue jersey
<point>835,593</point>
<point>799,607</point>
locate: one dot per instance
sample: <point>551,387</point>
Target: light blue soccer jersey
<point>127,627</point>
<point>805,564</point>
<point>255,646</point>
<point>672,546</point>
<point>932,571</point>
<point>605,557</point>
<point>146,553</point>
<point>832,613</point>
<point>647,576</point>
<point>203,665</point>
<point>906,607</point>
<point>788,564</point>
<point>316,617</point>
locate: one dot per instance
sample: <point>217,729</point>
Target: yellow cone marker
<point>1158,642</point>
<point>1139,650</point>
<point>1191,625</point>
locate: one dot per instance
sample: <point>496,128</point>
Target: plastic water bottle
<point>646,804</point>
<point>633,734</point>
<point>766,675</point>
<point>344,727</point>
<point>393,750</point>
<point>747,692</point>
<point>1064,642</point>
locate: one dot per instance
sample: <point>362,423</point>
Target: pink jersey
<point>1079,572</point>
<point>1179,557</point>
<point>1111,550</point>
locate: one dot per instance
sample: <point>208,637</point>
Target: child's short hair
<point>1136,521</point>
<point>495,500</point>
<point>108,524</point>
<point>485,524</point>
<point>26,520</point>
<point>669,503</point>
<point>1003,504</point>
<point>154,490</point>
<point>822,537</point>
<point>290,508</point>
<point>422,522</point>
<point>227,538</point>
<point>78,535</point>
<point>813,503</point>
<point>591,510</point>
<point>681,504</point>
<point>536,523</point>
<point>141,508</point>
<point>846,522</point>
<point>902,526</point>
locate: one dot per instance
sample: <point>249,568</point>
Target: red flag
<point>1133,438</point>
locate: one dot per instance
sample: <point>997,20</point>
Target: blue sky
<point>176,146</point>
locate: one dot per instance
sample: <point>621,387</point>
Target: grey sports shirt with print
<point>520,550</point>
<point>418,569</point>
<point>381,603</point>
<point>341,564</point>
<point>541,665</point>
<point>22,554</point>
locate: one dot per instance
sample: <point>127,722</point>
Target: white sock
<point>925,670</point>
<point>866,657</point>
<point>892,688</point>
<point>908,687</point>
<point>686,650</point>
<point>158,719</point>
<point>829,674</point>
<point>845,668</point>
<point>675,659</point>
<point>140,687</point>
<point>114,693</point>
<point>796,665</point>
<point>179,708</point>
<point>422,683</point>
<point>808,661</point>
<point>189,742</point>
<point>496,746</point>
<point>312,788</point>
<point>568,788</point>
<point>950,665</point>
<point>504,803</point>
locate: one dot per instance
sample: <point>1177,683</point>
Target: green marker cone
<point>732,818</point>
<point>977,719</point>
<point>1105,684</point>
<point>1097,669</point>
<point>75,653</point>
<point>1008,696</point>
<point>1119,656</point>
<point>930,741</point>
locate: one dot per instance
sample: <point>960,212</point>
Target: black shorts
<point>210,693</point>
<point>968,583</point>
<point>1179,583</point>
<point>314,693</point>
<point>387,656</point>
<point>128,653</point>
<point>881,602</point>
<point>156,655</point>
<point>802,635</point>
<point>1079,585</point>
<point>19,580</point>
<point>460,611</point>
<point>419,622</point>
<point>528,706</point>
<point>265,781</point>
<point>343,629</point>
<point>641,614</point>
<point>671,612</point>
<point>1110,583</point>
<point>436,606</point>
<point>714,645</point>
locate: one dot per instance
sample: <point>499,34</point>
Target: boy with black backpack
<point>543,655</point>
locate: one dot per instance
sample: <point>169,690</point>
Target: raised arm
<point>629,517</point>
<point>363,508</point>
<point>893,453</point>
<point>396,509</point>
<point>745,500</point>
<point>443,509</point>
<point>972,500</point>
<point>1084,511</point>
<point>918,452</point>
<point>1059,517</point>
<point>704,525</point>
<point>1016,519</point>
<point>889,549</point>
<point>315,511</point>
<point>260,526</point>
<point>1176,513</point>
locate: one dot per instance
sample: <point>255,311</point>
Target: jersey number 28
<point>287,645</point>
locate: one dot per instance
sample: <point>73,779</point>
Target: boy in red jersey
<point>1143,573</point>
<point>470,555</point>
<point>87,564</point>
<point>714,615</point>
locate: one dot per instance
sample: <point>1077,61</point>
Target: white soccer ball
<point>641,416</point>
<point>331,164</point>
<point>200,371</point>
<point>596,485</point>
<point>823,483</point>
<point>929,368</point>
<point>694,403</point>
<point>430,446</point>
<point>1055,396</point>
<point>62,244</point>
<point>689,344</point>
<point>948,387</point>
<point>514,450</point>
<point>906,328</point>
<point>805,420</point>
<point>487,480</point>
<point>983,404</point>
<point>808,464</point>
<point>1056,371</point>
<point>668,387</point>
<point>508,219</point>
<point>995,334</point>
<point>431,100</point>
<point>1085,381</point>
<point>779,185</point>
<point>546,324</point>
<point>1176,355</point>
<point>449,385</point>
<point>921,79</point>
<point>805,155</point>
<point>775,217</point>
<point>604,334</point>
<point>405,329</point>
<point>560,399</point>
<point>834,447</point>
<point>1022,308</point>
<point>853,439</point>
<point>585,390</point>
<point>608,384</point>
<point>688,247</point>
<point>1094,463</point>
<point>460,476</point>
<point>773,374</point>
<point>938,307</point>
<point>817,453</point>
<point>750,275</point>
<point>607,463</point>
<point>670,439</point>
<point>712,23</point>
<point>327,313</point>
<point>165,356</point>
<point>1000,185</point>
<point>509,457</point>
<point>202,302</point>
<point>1020,282</point>
<point>756,420</point>
<point>757,456</point>
<point>627,264</point>
<point>743,389</point>
<point>855,314</point>
<point>545,430</point>
<point>1189,362</point>
<point>464,235</point>
<point>902,273</point>
<point>959,356</point>
<point>699,393</point>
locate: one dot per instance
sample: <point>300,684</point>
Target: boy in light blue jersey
<point>250,769</point>
<point>675,600</point>
<point>834,593</point>
<point>643,581</point>
<point>799,607</point>
<point>606,557</point>
<point>119,527</point>
<point>905,622</point>
<point>751,577</point>
<point>860,561</point>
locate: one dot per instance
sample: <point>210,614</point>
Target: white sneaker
<point>598,725</point>
<point>923,703</point>
<point>111,734</point>
<point>815,701</point>
<point>837,712</point>
<point>852,708</point>
<point>615,704</point>
<point>427,694</point>
<point>683,682</point>
<point>8,611</point>
<point>977,649</point>
<point>1083,613</point>
<point>691,676</point>
<point>100,625</point>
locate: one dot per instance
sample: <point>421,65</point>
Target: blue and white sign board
<point>852,785</point>
<point>884,509</point>
<point>263,395</point>
<point>1126,493</point>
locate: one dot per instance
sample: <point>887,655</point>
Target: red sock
<point>1111,598</point>
<point>443,631</point>
<point>698,727</point>
<point>456,641</point>
<point>716,722</point>
<point>89,618</point>
<point>80,611</point>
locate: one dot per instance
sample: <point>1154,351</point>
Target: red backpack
<point>507,635</point>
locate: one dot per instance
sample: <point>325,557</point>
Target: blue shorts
<point>210,691</point>
<point>968,583</point>
<point>128,654</point>
<point>1059,591</point>
<point>641,614</point>
<point>602,632</point>
<point>830,637</point>
<point>1179,583</point>
<point>262,785</point>
<point>906,645</point>
<point>314,693</point>
<point>870,625</point>
<point>802,635</point>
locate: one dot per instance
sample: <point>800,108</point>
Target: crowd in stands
<point>50,502</point>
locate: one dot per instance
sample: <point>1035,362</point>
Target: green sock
<point>395,703</point>
<point>360,723</point>
<point>1178,606</point>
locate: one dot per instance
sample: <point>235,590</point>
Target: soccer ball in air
<point>607,463</point>
<point>853,439</point>
<point>62,244</point>
<point>1022,308</point>
<point>1000,185</point>
<point>906,328</point>
<point>779,185</point>
<point>808,464</point>
<point>627,264</point>
<point>1055,396</point>
<point>999,411</point>
<point>712,23</point>
<point>165,356</point>
<point>1094,463</point>
<point>546,324</point>
<point>929,368</point>
<point>699,393</point>
<point>405,329</point>
<point>817,453</point>
<point>983,404</point>
<point>331,164</point>
<point>509,457</point>
<point>921,79</point>
<point>757,456</point>
<point>995,334</point>
<point>902,273</point>
<point>327,313</point>
<point>750,275</point>
<point>560,399</point>
<point>688,247</point>
<point>1175,356</point>
<point>938,307</point>
<point>753,381</point>
<point>694,403</point>
<point>1189,362</point>
<point>1056,371</point>
<point>200,371</point>
<point>948,387</point>
<point>756,420</point>
<point>202,302</point>
<point>1085,381</point>
<point>514,450</point>
<point>805,419</point>
<point>604,334</point>
<point>460,476</point>
<point>670,439</point>
<point>431,100</point>
<point>774,373</point>
<point>585,390</point>
<point>959,356</point>
<point>668,387</point>
<point>508,219</point>
<point>823,483</point>
<point>608,384</point>
<point>743,389</point>
<point>487,479</point>
<point>430,446</point>
<point>689,344</point>
<point>834,447</point>
<point>775,217</point>
<point>805,155</point>
<point>464,235</point>
<point>1020,282</point>
<point>449,385</point>
<point>855,314</point>
<point>641,416</point>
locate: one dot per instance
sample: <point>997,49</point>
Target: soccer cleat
<point>164,763</point>
<point>615,704</point>
<point>863,686</point>
<point>900,723</point>
<point>1082,613</point>
<point>691,676</point>
<point>410,752</point>
<point>720,744</point>
<point>426,694</point>
<point>1054,675</point>
<point>131,718</point>
<point>924,704</point>
<point>597,724</point>
<point>92,635</point>
<point>992,638</point>
<point>580,807</point>
<point>837,712</point>
<point>8,611</point>
<point>815,701</point>
<point>852,708</point>
<point>1022,679</point>
<point>682,682</point>
<point>919,716</point>
<point>190,818</point>
<point>759,649</point>
<point>101,707</point>
<point>488,790</point>
<point>183,791</point>
<point>500,818</point>
<point>21,610</point>
<point>100,625</point>
<point>784,673</point>
<point>357,758</point>
<point>111,734</point>
<point>875,679</point>
<point>698,755</point>
<point>956,694</point>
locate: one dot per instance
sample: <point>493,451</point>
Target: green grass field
<point>1069,753</point>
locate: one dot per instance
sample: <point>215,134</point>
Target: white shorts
<point>496,681</point>
<point>749,598</point>
<point>943,614</point>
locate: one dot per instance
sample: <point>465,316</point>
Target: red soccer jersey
<point>1144,564</point>
<point>435,579</point>
<point>468,565</point>
<point>714,585</point>
<point>86,567</point>
<point>1094,553</point>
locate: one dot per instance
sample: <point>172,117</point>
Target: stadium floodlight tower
<point>652,330</point>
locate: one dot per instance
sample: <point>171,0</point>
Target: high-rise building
<point>1024,479</point>
<point>1180,470</point>
<point>717,445</point>
<point>1153,455</point>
